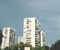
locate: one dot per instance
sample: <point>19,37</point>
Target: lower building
<point>8,37</point>
<point>20,39</point>
<point>26,48</point>
<point>42,38</point>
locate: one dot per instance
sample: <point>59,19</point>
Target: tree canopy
<point>56,46</point>
<point>1,36</point>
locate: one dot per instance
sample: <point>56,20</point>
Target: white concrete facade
<point>26,48</point>
<point>20,39</point>
<point>9,37</point>
<point>29,31</point>
<point>32,32</point>
<point>42,38</point>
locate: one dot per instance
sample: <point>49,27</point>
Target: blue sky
<point>12,13</point>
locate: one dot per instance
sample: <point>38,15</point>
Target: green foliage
<point>37,48</point>
<point>1,36</point>
<point>46,47</point>
<point>7,48</point>
<point>14,47</point>
<point>0,48</point>
<point>56,46</point>
<point>22,45</point>
<point>28,45</point>
<point>41,48</point>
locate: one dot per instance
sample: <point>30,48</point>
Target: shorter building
<point>26,48</point>
<point>8,37</point>
<point>20,39</point>
<point>42,38</point>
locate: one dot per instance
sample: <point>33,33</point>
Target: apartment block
<point>8,37</point>
<point>32,32</point>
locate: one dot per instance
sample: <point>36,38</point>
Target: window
<point>28,27</point>
<point>6,31</point>
<point>29,30</point>
<point>28,21</point>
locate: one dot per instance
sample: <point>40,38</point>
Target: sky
<point>13,12</point>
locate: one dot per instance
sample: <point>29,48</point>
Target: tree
<point>14,47</point>
<point>21,45</point>
<point>56,46</point>
<point>1,37</point>
<point>41,48</point>
<point>28,45</point>
<point>7,48</point>
<point>46,47</point>
<point>37,48</point>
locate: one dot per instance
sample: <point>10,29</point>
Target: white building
<point>42,38</point>
<point>9,37</point>
<point>20,39</point>
<point>32,32</point>
<point>26,48</point>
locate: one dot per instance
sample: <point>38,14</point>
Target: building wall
<point>9,37</point>
<point>37,33</point>
<point>26,48</point>
<point>20,39</point>
<point>29,30</point>
<point>42,38</point>
<point>32,32</point>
